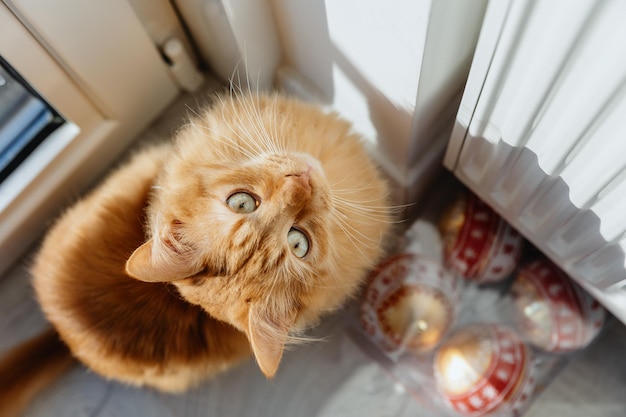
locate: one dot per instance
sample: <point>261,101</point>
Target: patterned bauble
<point>485,369</point>
<point>409,304</point>
<point>553,312</point>
<point>478,243</point>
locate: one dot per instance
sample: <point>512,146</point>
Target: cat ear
<point>268,336</point>
<point>159,262</point>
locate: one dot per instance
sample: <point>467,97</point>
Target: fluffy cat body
<point>262,215</point>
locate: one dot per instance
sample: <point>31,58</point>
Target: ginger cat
<point>262,215</point>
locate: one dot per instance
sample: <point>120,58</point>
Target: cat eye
<point>298,242</point>
<point>242,202</point>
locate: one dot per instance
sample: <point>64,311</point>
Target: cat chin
<point>314,167</point>
<point>303,158</point>
<point>310,161</point>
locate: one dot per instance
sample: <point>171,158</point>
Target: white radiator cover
<point>541,133</point>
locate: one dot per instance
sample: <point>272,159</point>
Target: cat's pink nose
<point>303,178</point>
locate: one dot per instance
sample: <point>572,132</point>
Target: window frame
<point>108,87</point>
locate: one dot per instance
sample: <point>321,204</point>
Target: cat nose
<point>298,192</point>
<point>303,178</point>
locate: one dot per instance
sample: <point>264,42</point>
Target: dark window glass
<point>25,119</point>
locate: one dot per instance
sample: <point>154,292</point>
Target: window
<point>96,67</point>
<point>25,119</point>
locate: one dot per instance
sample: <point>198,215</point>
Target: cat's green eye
<point>242,202</point>
<point>298,242</point>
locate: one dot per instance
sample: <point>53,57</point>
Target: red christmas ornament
<point>478,243</point>
<point>484,369</point>
<point>553,312</point>
<point>409,304</point>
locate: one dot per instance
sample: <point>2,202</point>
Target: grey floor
<point>331,378</point>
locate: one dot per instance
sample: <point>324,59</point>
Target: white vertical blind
<point>541,131</point>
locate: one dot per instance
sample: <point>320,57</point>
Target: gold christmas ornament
<point>409,304</point>
<point>484,369</point>
<point>478,243</point>
<point>553,312</point>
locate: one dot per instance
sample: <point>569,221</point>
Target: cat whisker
<point>357,232</point>
<point>246,137</point>
<point>381,215</point>
<point>245,99</point>
<point>359,205</point>
<point>278,139</point>
<point>361,201</point>
<point>368,218</point>
<point>270,143</point>
<point>363,219</point>
<point>231,79</point>
<point>225,139</point>
<point>253,115</point>
<point>362,205</point>
<point>352,189</point>
<point>294,340</point>
<point>342,225</point>
<point>271,138</point>
<point>191,110</point>
<point>255,111</point>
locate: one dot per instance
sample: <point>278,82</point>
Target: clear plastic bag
<point>472,328</point>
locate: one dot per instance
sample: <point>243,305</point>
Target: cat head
<point>268,214</point>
